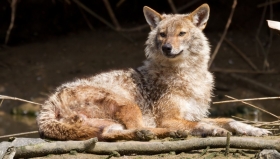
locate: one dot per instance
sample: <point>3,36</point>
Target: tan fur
<point>168,96</point>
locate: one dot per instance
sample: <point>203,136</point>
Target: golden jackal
<point>168,96</point>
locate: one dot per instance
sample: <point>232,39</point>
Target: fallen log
<point>146,148</point>
<point>53,147</point>
<point>149,148</point>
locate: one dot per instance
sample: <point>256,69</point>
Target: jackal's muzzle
<point>167,51</point>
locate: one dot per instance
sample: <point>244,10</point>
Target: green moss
<point>73,152</point>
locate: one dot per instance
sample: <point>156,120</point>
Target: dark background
<point>47,19</point>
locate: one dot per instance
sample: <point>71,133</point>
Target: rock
<point>268,154</point>
<point>4,146</point>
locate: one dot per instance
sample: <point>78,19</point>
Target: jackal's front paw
<point>179,134</point>
<point>145,135</point>
<point>245,129</point>
<point>204,129</point>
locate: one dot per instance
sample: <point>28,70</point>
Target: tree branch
<point>13,16</point>
<point>256,84</point>
<point>224,34</point>
<point>147,148</point>
<point>14,98</point>
<point>56,147</point>
<point>133,147</point>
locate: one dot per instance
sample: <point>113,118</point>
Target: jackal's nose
<point>166,48</point>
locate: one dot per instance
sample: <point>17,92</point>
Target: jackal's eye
<point>162,34</point>
<point>182,33</point>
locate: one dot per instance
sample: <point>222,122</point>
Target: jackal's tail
<point>55,123</point>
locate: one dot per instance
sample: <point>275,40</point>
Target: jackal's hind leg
<point>117,132</point>
<point>193,127</point>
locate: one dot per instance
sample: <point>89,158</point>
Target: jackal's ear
<point>152,17</point>
<point>200,16</point>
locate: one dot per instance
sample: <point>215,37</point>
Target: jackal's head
<point>177,37</point>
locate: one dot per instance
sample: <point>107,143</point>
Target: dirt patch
<point>212,153</point>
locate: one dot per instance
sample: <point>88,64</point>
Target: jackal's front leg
<point>237,127</point>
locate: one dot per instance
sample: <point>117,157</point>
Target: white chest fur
<point>192,110</point>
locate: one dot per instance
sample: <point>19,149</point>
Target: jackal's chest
<point>191,109</point>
